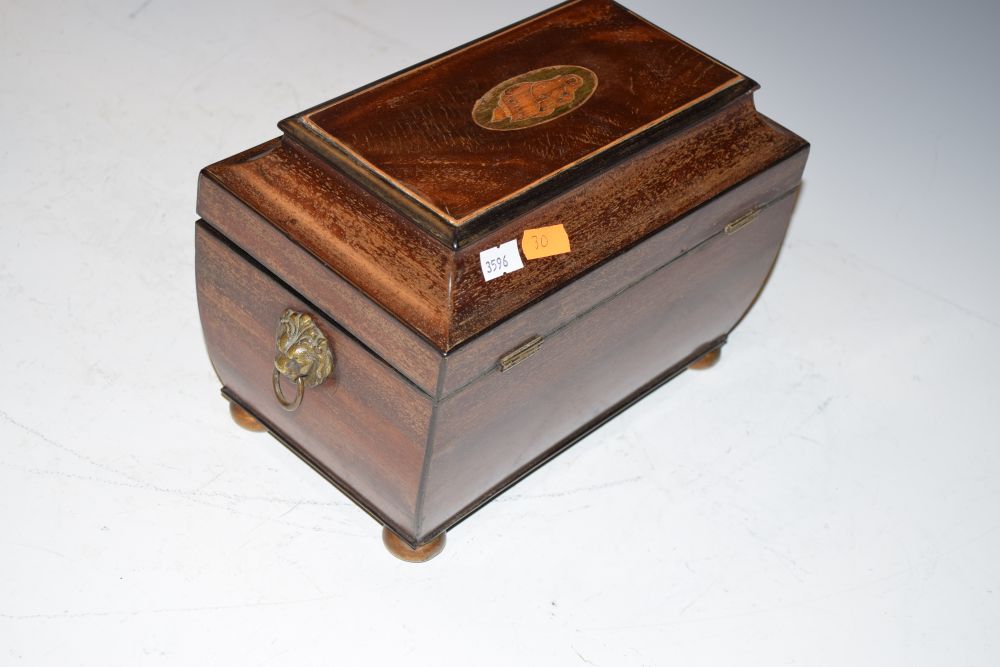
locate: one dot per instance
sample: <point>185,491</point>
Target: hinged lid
<point>461,140</point>
<point>389,203</point>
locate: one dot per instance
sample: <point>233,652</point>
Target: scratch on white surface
<point>69,450</point>
<point>697,598</point>
<point>968,542</point>
<point>816,412</point>
<point>162,610</point>
<point>290,510</point>
<point>810,599</point>
<point>918,288</point>
<point>204,500</point>
<point>569,492</point>
<point>796,570</point>
<point>250,534</point>
<point>138,10</point>
<point>272,658</point>
<point>382,36</point>
<point>186,493</point>
<point>99,368</point>
<point>813,441</point>
<point>766,451</point>
<point>579,655</point>
<point>35,547</point>
<point>210,482</point>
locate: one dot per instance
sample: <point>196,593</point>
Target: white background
<point>828,495</point>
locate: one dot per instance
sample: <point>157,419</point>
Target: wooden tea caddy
<point>358,276</point>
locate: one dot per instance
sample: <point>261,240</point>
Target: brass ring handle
<point>303,356</point>
<point>300,391</point>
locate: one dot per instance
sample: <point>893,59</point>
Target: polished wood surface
<point>244,418</point>
<point>275,180</point>
<point>416,130</point>
<point>419,425</point>
<point>365,427</point>
<point>478,355</point>
<point>419,554</point>
<point>583,370</point>
<point>707,360</point>
<point>307,221</point>
<point>489,432</point>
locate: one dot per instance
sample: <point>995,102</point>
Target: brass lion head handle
<point>303,356</point>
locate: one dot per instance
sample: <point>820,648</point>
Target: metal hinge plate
<point>742,221</point>
<point>519,354</point>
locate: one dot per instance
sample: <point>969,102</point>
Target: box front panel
<point>501,425</point>
<point>365,427</point>
<point>479,355</point>
<point>619,207</point>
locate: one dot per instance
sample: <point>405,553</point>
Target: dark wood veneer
<point>503,422</point>
<point>423,480</point>
<point>479,354</point>
<point>673,232</point>
<point>414,134</point>
<point>367,425</point>
<point>277,195</point>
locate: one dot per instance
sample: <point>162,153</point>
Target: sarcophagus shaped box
<point>430,286</point>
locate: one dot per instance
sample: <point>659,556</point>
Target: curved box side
<point>478,356</point>
<point>492,432</point>
<point>364,429</point>
<point>664,258</point>
<point>420,463</point>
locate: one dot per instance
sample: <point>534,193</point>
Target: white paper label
<point>504,258</point>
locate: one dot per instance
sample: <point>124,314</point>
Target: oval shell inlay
<point>534,97</point>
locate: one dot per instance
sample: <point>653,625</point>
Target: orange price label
<point>544,242</point>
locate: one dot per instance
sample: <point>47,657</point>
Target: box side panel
<point>365,428</point>
<point>619,207</point>
<point>498,428</point>
<point>288,214</point>
<point>480,354</point>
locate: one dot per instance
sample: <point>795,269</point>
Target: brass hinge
<point>742,221</point>
<point>520,353</point>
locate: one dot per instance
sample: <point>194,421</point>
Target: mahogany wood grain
<point>479,354</point>
<point>416,131</point>
<point>616,209</point>
<point>264,175</point>
<point>355,239</point>
<point>417,423</point>
<point>656,323</point>
<point>488,433</point>
<point>366,426</point>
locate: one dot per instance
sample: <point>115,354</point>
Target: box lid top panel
<point>486,124</point>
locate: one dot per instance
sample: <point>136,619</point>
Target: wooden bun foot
<point>244,418</point>
<point>404,551</point>
<point>707,360</point>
